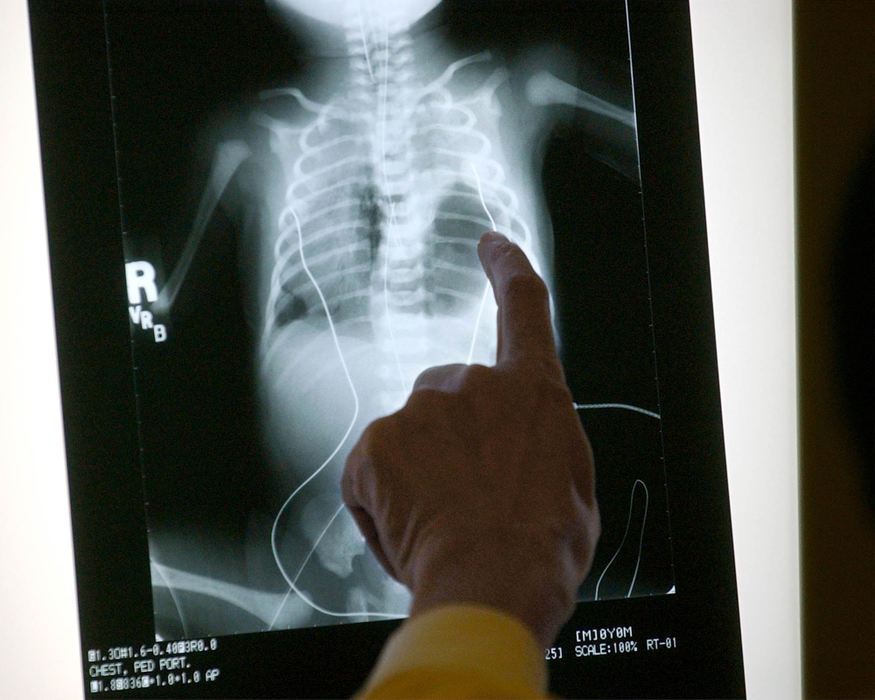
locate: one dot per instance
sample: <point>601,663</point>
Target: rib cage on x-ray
<point>389,189</point>
<point>377,179</point>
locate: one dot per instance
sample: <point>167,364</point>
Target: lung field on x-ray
<point>322,253</point>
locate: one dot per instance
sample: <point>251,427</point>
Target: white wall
<point>39,643</point>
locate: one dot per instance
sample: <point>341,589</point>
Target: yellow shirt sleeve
<point>459,651</point>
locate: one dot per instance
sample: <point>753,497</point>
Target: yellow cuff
<point>459,651</point>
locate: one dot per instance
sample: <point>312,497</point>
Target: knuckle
<point>441,377</point>
<point>439,384</point>
<point>422,398</point>
<point>375,435</point>
<point>481,385</point>
<point>349,493</point>
<point>477,376</point>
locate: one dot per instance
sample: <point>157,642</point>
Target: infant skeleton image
<point>324,254</point>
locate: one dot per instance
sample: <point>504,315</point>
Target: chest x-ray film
<point>286,198</point>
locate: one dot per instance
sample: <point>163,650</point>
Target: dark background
<point>835,147</point>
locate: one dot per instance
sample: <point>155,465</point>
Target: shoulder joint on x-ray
<point>544,89</point>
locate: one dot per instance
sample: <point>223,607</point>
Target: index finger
<point>524,327</point>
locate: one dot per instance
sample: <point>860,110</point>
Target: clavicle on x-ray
<point>379,173</point>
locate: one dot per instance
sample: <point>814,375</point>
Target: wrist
<point>512,570</point>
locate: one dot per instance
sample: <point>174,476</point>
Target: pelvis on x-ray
<point>377,178</point>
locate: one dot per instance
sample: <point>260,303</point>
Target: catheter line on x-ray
<point>487,287</point>
<point>610,563</point>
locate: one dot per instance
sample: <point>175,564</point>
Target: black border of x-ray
<point>98,397</point>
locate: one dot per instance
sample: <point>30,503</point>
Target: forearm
<point>510,567</point>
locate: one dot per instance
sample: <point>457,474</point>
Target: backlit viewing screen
<point>263,220</point>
